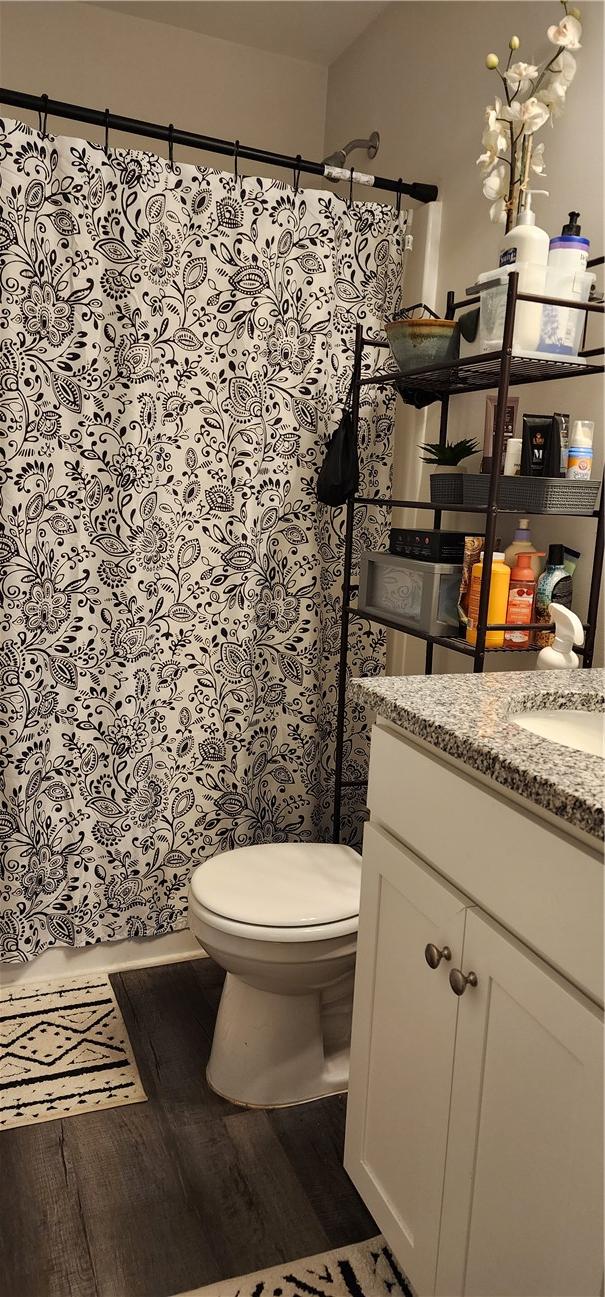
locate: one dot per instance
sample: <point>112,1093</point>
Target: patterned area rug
<point>64,1050</point>
<point>364,1270</point>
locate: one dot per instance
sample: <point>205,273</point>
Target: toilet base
<point>290,1103</point>
<point>271,1051</point>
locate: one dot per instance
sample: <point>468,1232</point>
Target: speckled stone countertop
<point>469,717</point>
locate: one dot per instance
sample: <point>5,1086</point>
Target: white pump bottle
<point>525,249</point>
<point>526,242</point>
<point>559,656</point>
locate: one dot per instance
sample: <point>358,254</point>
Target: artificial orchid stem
<point>528,144</point>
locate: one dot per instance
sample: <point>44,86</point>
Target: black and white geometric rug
<point>64,1050</point>
<point>363,1270</point>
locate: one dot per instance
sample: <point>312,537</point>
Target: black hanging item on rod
<point>339,474</point>
<point>190,140</point>
<point>42,115</point>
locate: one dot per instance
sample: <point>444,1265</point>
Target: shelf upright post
<point>492,496</point>
<point>346,599</point>
<point>595,583</point>
<point>450,312</point>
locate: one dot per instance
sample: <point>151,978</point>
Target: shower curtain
<point>175,350</point>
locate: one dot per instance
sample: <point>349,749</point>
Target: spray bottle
<point>559,656</point>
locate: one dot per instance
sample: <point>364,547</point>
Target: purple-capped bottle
<point>569,249</point>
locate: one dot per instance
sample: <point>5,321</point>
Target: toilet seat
<point>284,938</point>
<point>281,891</point>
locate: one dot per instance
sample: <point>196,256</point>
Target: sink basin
<point>583,731</point>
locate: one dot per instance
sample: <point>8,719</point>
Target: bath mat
<point>64,1050</point>
<point>363,1270</point>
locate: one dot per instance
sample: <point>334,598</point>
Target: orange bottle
<point>498,600</point>
<point>521,601</point>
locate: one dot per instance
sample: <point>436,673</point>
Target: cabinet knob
<point>459,982</point>
<point>434,955</point>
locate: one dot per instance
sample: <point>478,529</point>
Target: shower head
<point>339,157</point>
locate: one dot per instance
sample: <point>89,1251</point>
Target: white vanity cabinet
<point>474,1126</point>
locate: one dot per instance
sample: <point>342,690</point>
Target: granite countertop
<point>469,717</point>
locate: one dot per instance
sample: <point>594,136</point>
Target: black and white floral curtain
<point>175,348</point>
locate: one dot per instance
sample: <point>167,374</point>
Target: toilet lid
<point>281,885</point>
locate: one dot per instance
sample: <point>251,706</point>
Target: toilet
<point>281,919</point>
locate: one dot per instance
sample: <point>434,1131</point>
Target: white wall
<point>89,55</point>
<point>418,76</point>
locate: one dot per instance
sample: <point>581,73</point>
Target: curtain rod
<point>188,139</point>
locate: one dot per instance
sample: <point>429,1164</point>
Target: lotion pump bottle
<point>526,241</point>
<point>525,248</point>
<point>568,250</point>
<point>521,597</point>
<point>559,656</point>
<point>522,544</point>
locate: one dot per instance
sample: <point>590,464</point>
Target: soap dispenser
<point>569,249</point>
<point>523,544</point>
<point>525,249</point>
<point>559,656</point>
<point>526,242</point>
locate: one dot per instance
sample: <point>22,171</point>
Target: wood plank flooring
<point>156,1198</point>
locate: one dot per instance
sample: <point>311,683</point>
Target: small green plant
<point>451,454</point>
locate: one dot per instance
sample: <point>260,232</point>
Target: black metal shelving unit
<point>499,369</point>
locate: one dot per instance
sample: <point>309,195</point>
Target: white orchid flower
<point>494,139</point>
<point>495,143</point>
<point>487,159</point>
<point>493,113</point>
<point>495,184</point>
<point>497,211</point>
<point>552,95</point>
<point>537,160</point>
<point>528,116</point>
<point>567,33</point>
<point>520,75</point>
<point>565,67</point>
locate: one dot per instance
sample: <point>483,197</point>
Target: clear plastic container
<point>528,316</point>
<point>540,329</point>
<point>411,592</point>
<point>561,331</point>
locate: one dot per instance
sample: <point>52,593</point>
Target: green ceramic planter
<point>418,344</point>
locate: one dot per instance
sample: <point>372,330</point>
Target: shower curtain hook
<point>350,202</point>
<point>171,146</point>
<point>106,145</point>
<point>399,195</point>
<point>296,171</point>
<point>235,158</point>
<point>42,119</point>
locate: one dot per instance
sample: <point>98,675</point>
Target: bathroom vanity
<point>475,1113</point>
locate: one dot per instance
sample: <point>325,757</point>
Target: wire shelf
<point>477,373</point>
<point>456,642</point>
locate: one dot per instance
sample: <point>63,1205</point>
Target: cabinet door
<point>404,1025</point>
<point>522,1206</point>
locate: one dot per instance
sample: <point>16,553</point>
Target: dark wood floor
<point>159,1197</point>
